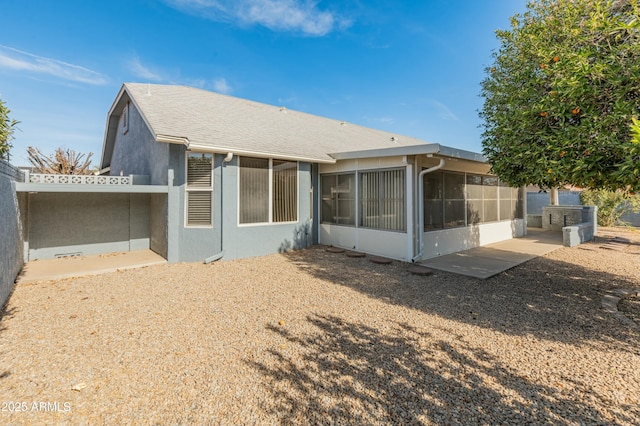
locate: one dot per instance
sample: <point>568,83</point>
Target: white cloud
<point>151,73</point>
<point>443,111</point>
<point>18,60</point>
<point>143,71</point>
<point>277,15</point>
<point>220,85</point>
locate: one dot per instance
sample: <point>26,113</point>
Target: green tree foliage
<point>632,165</point>
<point>611,204</point>
<point>7,127</point>
<point>561,94</point>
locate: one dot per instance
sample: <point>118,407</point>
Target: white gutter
<point>421,207</point>
<point>172,139</point>
<point>224,150</point>
<point>258,154</point>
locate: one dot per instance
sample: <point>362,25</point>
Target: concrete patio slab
<point>77,266</point>
<point>490,260</point>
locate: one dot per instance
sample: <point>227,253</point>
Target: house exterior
<point>248,179</point>
<point>199,176</point>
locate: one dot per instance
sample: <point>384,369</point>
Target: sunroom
<point>415,203</point>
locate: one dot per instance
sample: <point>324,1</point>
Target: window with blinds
<point>382,199</point>
<point>285,191</point>
<point>254,190</point>
<point>199,189</point>
<point>268,190</point>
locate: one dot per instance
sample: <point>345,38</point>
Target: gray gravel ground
<point>312,337</point>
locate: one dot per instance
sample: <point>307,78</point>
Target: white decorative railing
<point>80,179</point>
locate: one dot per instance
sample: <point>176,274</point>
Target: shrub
<point>611,204</point>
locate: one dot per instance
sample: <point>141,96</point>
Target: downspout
<point>219,256</point>
<point>421,207</point>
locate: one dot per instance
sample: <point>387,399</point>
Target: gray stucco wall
<point>87,223</point>
<point>194,244</point>
<point>136,152</point>
<point>11,245</point>
<point>537,200</point>
<point>187,244</point>
<point>158,224</point>
<point>632,219</point>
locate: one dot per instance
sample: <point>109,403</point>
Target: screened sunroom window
<point>268,190</point>
<point>510,202</point>
<point>382,199</point>
<point>433,201</point>
<point>490,194</point>
<point>458,199</point>
<point>453,200</point>
<point>199,189</point>
<point>338,198</point>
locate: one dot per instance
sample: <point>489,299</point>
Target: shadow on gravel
<point>557,301</point>
<point>350,373</point>
<point>6,313</point>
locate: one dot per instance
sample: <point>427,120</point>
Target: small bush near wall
<point>611,204</point>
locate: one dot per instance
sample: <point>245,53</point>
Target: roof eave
<point>179,140</point>
<point>423,149</point>
<point>431,148</point>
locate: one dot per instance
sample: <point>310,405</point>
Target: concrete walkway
<point>487,261</point>
<point>55,269</point>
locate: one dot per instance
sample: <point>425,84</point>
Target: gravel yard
<point>311,337</point>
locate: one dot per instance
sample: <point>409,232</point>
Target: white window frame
<point>187,189</point>
<point>270,222</point>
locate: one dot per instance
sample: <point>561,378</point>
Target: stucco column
<point>553,197</point>
<point>173,220</point>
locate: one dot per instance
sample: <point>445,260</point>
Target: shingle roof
<point>221,122</point>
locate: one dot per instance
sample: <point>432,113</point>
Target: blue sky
<point>408,67</point>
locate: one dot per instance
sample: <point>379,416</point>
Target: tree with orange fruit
<point>562,94</point>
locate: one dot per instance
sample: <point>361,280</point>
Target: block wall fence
<point>11,242</point>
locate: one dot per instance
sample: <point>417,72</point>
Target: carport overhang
<point>113,189</point>
<point>117,218</point>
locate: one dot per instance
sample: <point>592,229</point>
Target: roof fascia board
<point>462,154</point>
<point>426,149</point>
<point>110,128</point>
<point>242,152</point>
<point>431,148</point>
